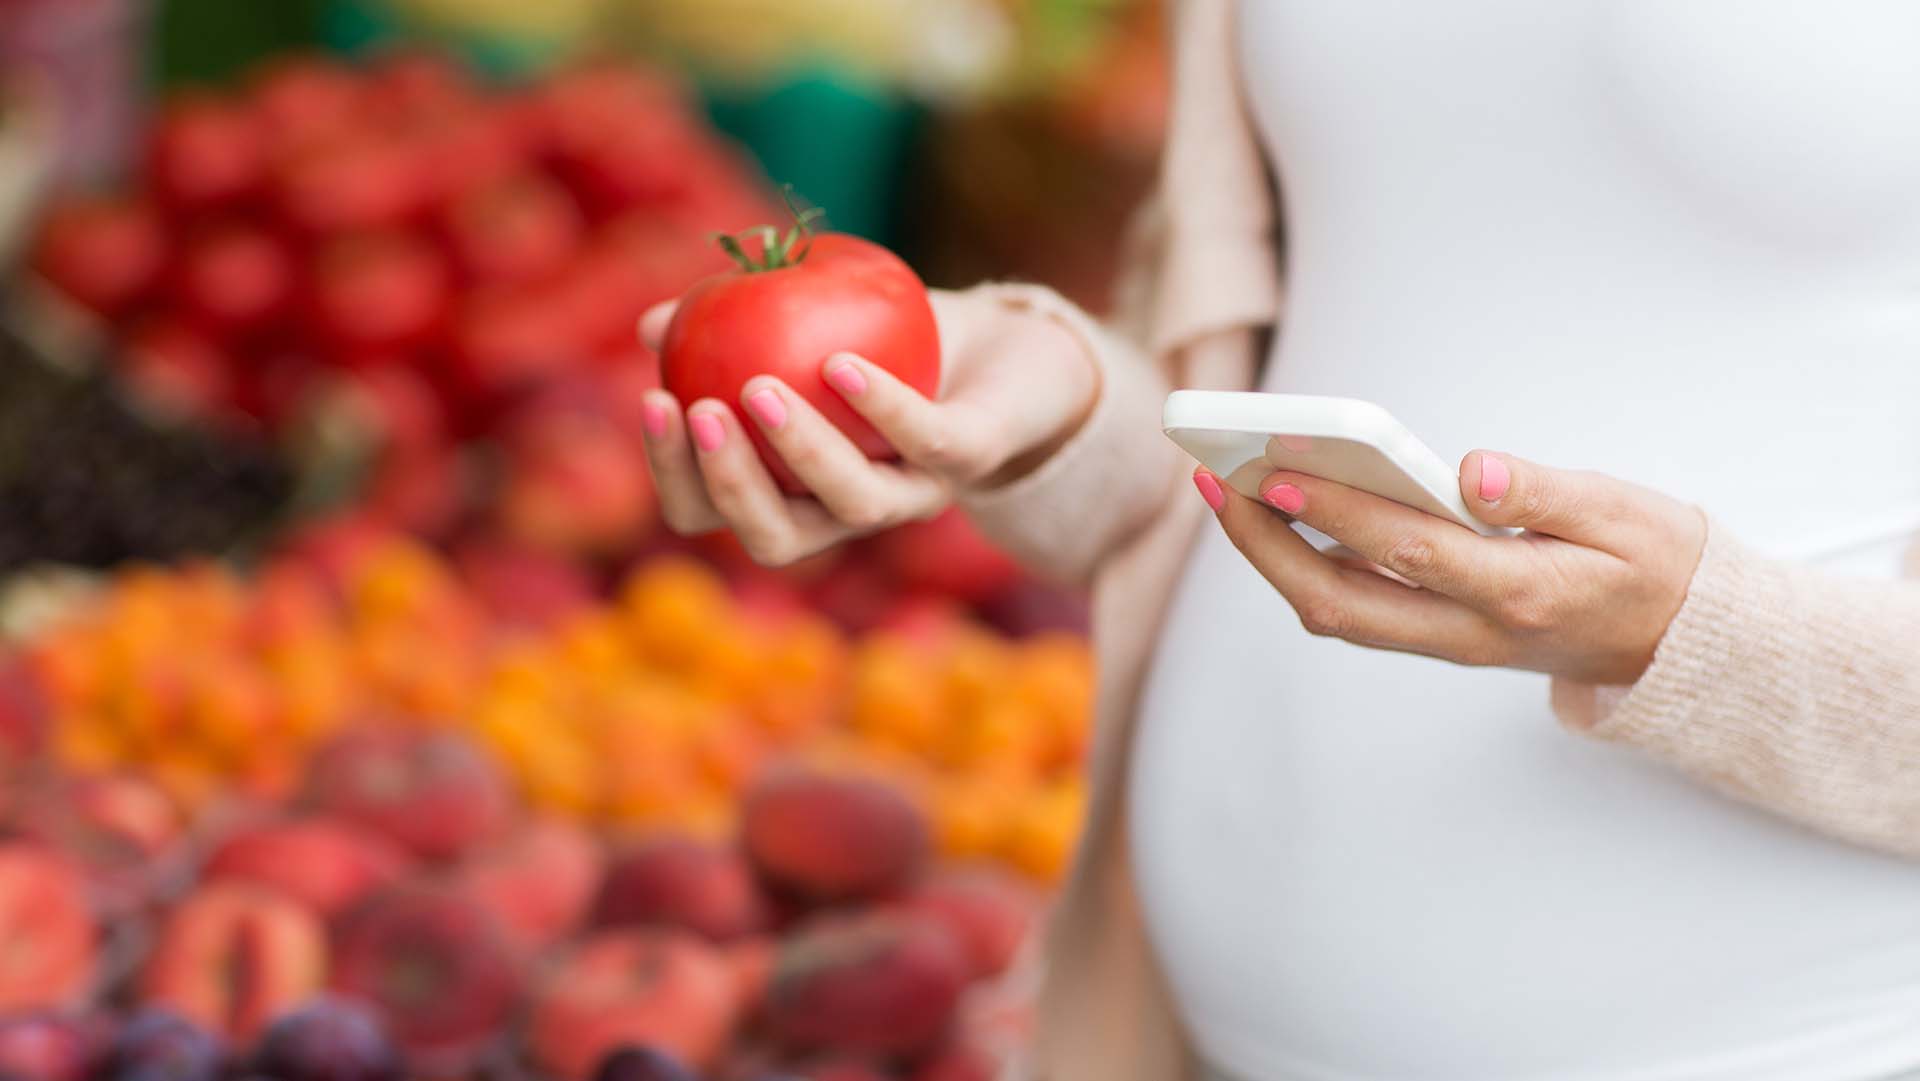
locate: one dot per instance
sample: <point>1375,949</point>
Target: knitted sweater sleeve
<point>1788,688</point>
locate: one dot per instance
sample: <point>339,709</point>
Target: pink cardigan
<point>1781,687</point>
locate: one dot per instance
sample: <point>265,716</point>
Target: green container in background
<point>212,41</point>
<point>842,145</point>
<point>359,27</point>
<point>842,142</point>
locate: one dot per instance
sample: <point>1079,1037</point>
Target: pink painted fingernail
<point>653,416</point>
<point>708,432</point>
<point>1285,497</point>
<point>1209,489</point>
<point>768,407</point>
<point>1494,478</point>
<point>847,379</point>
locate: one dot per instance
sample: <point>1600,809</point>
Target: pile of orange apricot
<point>651,711</point>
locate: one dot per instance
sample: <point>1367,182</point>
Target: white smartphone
<point>1243,436</point>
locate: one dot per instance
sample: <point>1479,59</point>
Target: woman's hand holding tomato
<point>797,300</point>
<point>1013,385</point>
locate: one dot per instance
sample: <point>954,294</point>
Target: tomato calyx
<point>777,250</point>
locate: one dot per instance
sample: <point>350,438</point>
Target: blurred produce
<point>92,479</point>
<point>842,98</point>
<point>426,290</point>
<point>1043,185</point>
<point>254,825</point>
<point>471,772</point>
<point>939,50</point>
<point>657,710</point>
<point>440,278</point>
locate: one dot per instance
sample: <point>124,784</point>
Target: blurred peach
<point>538,881</point>
<point>326,865</point>
<point>435,794</point>
<point>47,924</point>
<point>233,956</point>
<point>664,989</point>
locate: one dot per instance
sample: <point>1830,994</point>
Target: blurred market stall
<point>356,718</point>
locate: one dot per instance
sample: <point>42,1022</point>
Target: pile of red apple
<point>405,917</point>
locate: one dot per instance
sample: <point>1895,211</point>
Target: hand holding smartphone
<point>1243,436</point>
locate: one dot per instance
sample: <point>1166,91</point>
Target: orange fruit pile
<point>650,711</point>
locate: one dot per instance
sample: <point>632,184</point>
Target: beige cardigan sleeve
<point>1108,477</point>
<point>1791,689</point>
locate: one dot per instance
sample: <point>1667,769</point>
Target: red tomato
<point>845,294</point>
<point>421,490</point>
<point>615,167</point>
<point>724,192</point>
<point>205,152</point>
<point>522,229</point>
<point>664,256</point>
<point>397,405</point>
<point>375,292</point>
<point>303,99</point>
<point>947,555</point>
<point>521,586</point>
<point>602,296</point>
<point>633,263</point>
<point>105,254</point>
<point>171,364</point>
<point>513,342</point>
<point>233,279</point>
<point>278,379</point>
<point>416,83</point>
<point>577,105</point>
<point>357,182</point>
<point>571,482</point>
<point>468,148</point>
<point>622,379</point>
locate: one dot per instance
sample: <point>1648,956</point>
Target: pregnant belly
<point>1362,865</point>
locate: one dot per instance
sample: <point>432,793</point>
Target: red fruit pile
<point>405,915</point>
<point>453,273</point>
<point>442,260</point>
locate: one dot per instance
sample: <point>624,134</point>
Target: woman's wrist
<point>1037,325</point>
<point>1055,344</point>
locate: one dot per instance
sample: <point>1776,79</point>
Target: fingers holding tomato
<point>796,299</point>
<point>677,481</point>
<point>861,494</point>
<point>774,527</point>
<point>709,475</point>
<point>741,490</point>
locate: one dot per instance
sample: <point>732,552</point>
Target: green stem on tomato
<point>776,251</point>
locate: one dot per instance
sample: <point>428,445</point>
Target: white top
<point>1678,242</point>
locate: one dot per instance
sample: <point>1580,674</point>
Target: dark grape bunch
<point>86,479</point>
